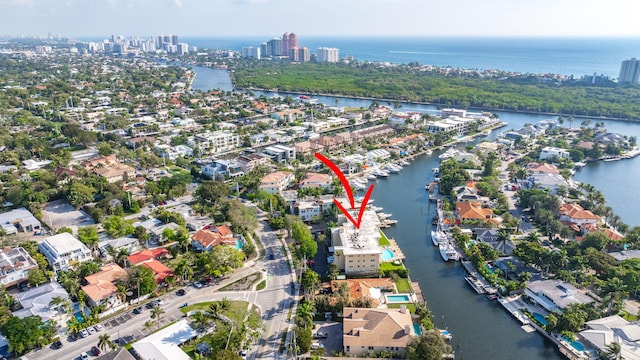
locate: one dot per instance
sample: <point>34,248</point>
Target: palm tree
<point>613,293</point>
<point>614,351</point>
<point>104,341</point>
<point>214,309</point>
<point>201,319</point>
<point>225,304</point>
<point>148,325</point>
<point>122,258</point>
<point>156,312</point>
<point>304,314</point>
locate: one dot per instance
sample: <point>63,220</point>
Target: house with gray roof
<point>556,295</point>
<point>603,332</point>
<point>36,301</point>
<point>19,220</point>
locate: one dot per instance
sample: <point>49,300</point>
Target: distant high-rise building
<point>289,41</point>
<point>274,47</point>
<point>630,71</point>
<point>293,54</point>
<point>304,55</point>
<point>251,52</point>
<point>263,49</point>
<point>326,54</point>
<point>174,39</point>
<point>182,48</point>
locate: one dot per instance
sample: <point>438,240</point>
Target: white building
<point>19,220</point>
<point>275,182</point>
<point>550,152</point>
<point>36,301</point>
<point>327,54</point>
<point>62,249</point>
<point>251,52</point>
<point>357,251</point>
<point>280,153</point>
<point>555,295</point>
<point>15,265</point>
<point>218,141</point>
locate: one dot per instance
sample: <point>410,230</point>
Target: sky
<point>330,18</point>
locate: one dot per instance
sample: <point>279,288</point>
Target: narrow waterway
<point>481,329</point>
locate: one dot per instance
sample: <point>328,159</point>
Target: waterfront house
<point>575,214</point>
<point>547,181</point>
<point>550,153</point>
<point>625,255</point>
<point>602,332</point>
<point>100,288</point>
<point>368,288</point>
<point>556,295</point>
<point>375,330</point>
<point>473,210</point>
<point>534,168</point>
<point>63,249</point>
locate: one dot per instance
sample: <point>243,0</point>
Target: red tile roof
<point>160,270</point>
<point>146,255</point>
<point>221,234</point>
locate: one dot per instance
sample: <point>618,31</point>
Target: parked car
<point>197,285</point>
<point>84,356</point>
<point>316,346</point>
<point>57,344</point>
<point>180,292</point>
<point>183,305</point>
<point>150,305</point>
<point>98,327</point>
<point>95,351</point>
<point>320,335</point>
<point>91,330</point>
<point>138,310</point>
<point>84,333</point>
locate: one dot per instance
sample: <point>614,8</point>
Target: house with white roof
<point>556,295</point>
<point>36,301</point>
<point>165,344</point>
<point>551,152</point>
<point>602,332</point>
<point>63,249</point>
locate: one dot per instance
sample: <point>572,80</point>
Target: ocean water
<point>566,56</point>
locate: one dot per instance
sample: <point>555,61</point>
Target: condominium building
<point>274,47</point>
<point>630,71</point>
<point>63,249</point>
<point>275,182</point>
<point>327,54</point>
<point>218,141</point>
<point>357,251</point>
<point>289,41</point>
<point>251,52</point>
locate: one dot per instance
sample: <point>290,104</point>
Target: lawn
<point>410,307</point>
<point>384,241</point>
<point>237,307</point>
<point>385,266</point>
<point>403,286</point>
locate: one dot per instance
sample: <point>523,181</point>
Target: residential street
<point>274,302</point>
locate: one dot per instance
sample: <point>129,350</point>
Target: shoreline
<point>436,105</point>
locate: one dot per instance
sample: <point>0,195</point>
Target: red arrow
<point>347,188</point>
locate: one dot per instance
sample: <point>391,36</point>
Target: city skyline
<point>222,18</point>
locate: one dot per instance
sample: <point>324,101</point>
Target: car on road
<point>98,327</point>
<point>83,356</point>
<point>56,345</point>
<point>180,292</point>
<point>138,310</point>
<point>320,335</point>
<point>84,333</point>
<point>183,305</point>
<point>95,351</point>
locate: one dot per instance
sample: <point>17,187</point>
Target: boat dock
<point>477,281</point>
<point>522,318</point>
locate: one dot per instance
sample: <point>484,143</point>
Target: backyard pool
<point>398,298</point>
<point>490,268</point>
<point>575,344</point>
<point>387,255</point>
<point>238,244</point>
<point>416,328</point>
<point>540,318</point>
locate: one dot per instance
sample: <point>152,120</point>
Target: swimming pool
<point>540,318</point>
<point>575,344</point>
<point>416,328</point>
<point>387,254</point>
<point>398,298</point>
<point>238,244</point>
<point>490,268</point>
<point>79,316</point>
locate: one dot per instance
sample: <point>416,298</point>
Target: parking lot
<point>118,320</point>
<point>332,342</point>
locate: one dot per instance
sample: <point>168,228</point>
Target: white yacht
<point>392,168</point>
<point>380,173</point>
<point>403,162</point>
<point>438,237</point>
<point>448,252</point>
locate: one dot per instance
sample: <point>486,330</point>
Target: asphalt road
<point>274,302</point>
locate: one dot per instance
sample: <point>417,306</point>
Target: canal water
<point>481,329</point>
